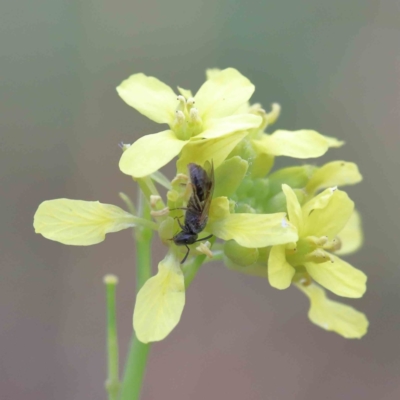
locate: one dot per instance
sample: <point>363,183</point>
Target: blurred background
<point>333,66</point>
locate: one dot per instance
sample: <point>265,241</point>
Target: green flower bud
<point>166,230</point>
<point>240,255</point>
<point>244,208</point>
<point>229,176</point>
<point>295,177</point>
<point>277,203</point>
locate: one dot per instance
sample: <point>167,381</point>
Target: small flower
<point>327,223</point>
<point>318,222</point>
<point>206,117</point>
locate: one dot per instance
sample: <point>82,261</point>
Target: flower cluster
<point>289,225</point>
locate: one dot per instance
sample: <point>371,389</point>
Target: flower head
<point>289,226</point>
<point>319,223</point>
<point>324,224</point>
<point>207,116</point>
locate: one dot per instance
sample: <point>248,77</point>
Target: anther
<point>319,256</point>
<point>160,213</point>
<point>318,241</point>
<point>204,248</point>
<point>190,102</point>
<point>179,118</point>
<point>194,115</point>
<point>154,199</point>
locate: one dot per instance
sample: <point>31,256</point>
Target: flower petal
<point>331,219</point>
<point>334,316</point>
<point>185,92</point>
<point>160,302</point>
<point>333,142</point>
<point>219,209</point>
<point>200,151</point>
<point>293,207</point>
<point>335,173</point>
<point>150,97</point>
<point>229,175</point>
<point>351,236</point>
<point>224,126</point>
<point>339,277</point>
<point>223,93</point>
<point>318,202</point>
<point>280,272</point>
<point>79,223</point>
<point>254,230</point>
<point>149,153</point>
<point>299,144</point>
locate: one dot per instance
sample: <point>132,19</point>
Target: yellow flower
<point>327,223</point>
<point>82,223</point>
<point>319,223</point>
<point>207,117</point>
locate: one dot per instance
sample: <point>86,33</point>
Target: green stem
<point>112,383</point>
<point>191,270</point>
<point>138,352</point>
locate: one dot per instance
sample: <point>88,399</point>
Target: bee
<point>197,208</point>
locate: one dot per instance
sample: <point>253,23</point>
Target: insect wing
<point>202,181</point>
<point>208,191</point>
<point>198,178</point>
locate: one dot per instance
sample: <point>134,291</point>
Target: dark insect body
<point>197,208</point>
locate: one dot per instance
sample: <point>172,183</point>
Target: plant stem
<point>138,352</point>
<point>191,270</point>
<point>112,383</point>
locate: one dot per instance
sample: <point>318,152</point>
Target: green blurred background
<point>333,65</point>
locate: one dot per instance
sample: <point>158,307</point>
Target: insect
<point>197,207</point>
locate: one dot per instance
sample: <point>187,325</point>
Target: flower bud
<point>239,255</point>
<point>295,177</point>
<point>166,230</point>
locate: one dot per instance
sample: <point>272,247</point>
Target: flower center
<point>187,122</point>
<point>314,249</point>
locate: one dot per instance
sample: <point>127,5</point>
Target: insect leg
<point>204,238</point>
<point>186,255</point>
<point>179,222</point>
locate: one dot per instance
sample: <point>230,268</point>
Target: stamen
<point>273,115</point>
<point>182,103</point>
<point>318,241</point>
<point>319,256</point>
<point>204,248</point>
<point>333,245</point>
<point>180,178</point>
<point>160,213</point>
<point>154,199</point>
<point>194,116</point>
<point>179,117</point>
<point>190,102</point>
